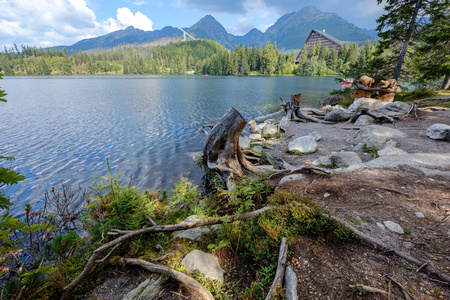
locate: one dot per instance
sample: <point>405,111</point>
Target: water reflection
<point>62,129</point>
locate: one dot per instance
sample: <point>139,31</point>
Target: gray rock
<point>390,148</point>
<point>381,226</point>
<point>284,123</point>
<point>255,136</point>
<point>276,162</point>
<point>344,159</point>
<point>419,214</point>
<point>244,142</point>
<point>151,291</point>
<point>375,136</point>
<point>270,129</point>
<point>194,234</point>
<point>276,115</point>
<point>337,115</point>
<point>147,290</point>
<point>394,227</point>
<point>439,132</point>
<point>205,263</point>
<point>326,195</point>
<point>290,284</point>
<point>408,245</point>
<point>364,120</point>
<point>291,178</point>
<point>393,109</point>
<point>304,144</point>
<point>323,161</point>
<point>258,149</point>
<point>366,103</point>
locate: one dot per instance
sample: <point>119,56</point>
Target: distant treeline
<point>184,57</point>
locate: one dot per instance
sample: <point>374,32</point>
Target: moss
<point>297,152</point>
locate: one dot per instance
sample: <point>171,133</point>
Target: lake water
<point>62,129</point>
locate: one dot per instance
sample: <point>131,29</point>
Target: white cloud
<point>46,22</point>
<point>125,18</point>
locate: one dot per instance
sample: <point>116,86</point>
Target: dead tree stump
<point>221,151</point>
<point>293,111</point>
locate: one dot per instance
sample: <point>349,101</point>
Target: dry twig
<point>279,274</point>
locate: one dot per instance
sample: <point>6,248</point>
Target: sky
<point>48,23</point>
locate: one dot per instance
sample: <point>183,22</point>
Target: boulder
<point>244,142</point>
<point>258,149</point>
<point>439,132</point>
<point>332,100</point>
<point>364,120</point>
<point>304,144</point>
<point>276,115</point>
<point>337,115</point>
<point>205,263</point>
<point>393,109</point>
<point>290,284</point>
<point>375,136</point>
<point>269,129</point>
<point>344,159</point>
<point>366,103</point>
<point>194,234</point>
<point>253,126</point>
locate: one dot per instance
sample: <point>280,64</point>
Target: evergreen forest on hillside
<point>188,57</point>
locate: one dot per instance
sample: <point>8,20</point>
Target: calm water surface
<point>62,129</point>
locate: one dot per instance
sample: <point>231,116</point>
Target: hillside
<point>290,31</point>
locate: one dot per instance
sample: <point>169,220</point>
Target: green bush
<point>415,95</point>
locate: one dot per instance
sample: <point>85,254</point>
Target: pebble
<point>419,214</point>
<point>394,227</point>
<point>326,195</point>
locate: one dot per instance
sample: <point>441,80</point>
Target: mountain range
<point>290,31</point>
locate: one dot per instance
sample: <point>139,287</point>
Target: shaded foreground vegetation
<point>30,272</point>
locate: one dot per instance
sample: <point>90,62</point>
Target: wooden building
<point>325,39</point>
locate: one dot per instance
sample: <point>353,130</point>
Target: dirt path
<point>415,195</point>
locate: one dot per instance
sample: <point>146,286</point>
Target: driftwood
<point>279,274</point>
<point>294,112</point>
<point>126,235</point>
<point>190,283</point>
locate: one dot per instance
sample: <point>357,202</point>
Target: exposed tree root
<point>126,235</point>
<point>190,283</point>
<point>427,268</point>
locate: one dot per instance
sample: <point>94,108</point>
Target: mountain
<point>290,31</point>
<point>372,32</point>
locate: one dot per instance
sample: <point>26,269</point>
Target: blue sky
<point>64,22</point>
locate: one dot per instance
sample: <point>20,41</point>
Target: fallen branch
<point>190,283</point>
<point>404,290</point>
<point>159,228</point>
<point>379,244</point>
<point>368,288</point>
<point>279,274</point>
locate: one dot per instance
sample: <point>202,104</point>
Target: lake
<point>62,129</point>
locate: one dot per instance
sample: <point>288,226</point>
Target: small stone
<point>326,195</point>
<point>244,142</point>
<point>255,136</point>
<point>394,227</point>
<point>381,226</point>
<point>408,245</point>
<point>419,214</point>
<point>258,149</point>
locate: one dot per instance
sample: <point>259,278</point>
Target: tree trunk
<point>446,83</point>
<point>221,151</point>
<point>409,33</point>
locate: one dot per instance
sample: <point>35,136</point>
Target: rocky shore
<point>390,181</point>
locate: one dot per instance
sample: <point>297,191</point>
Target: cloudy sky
<point>64,22</point>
